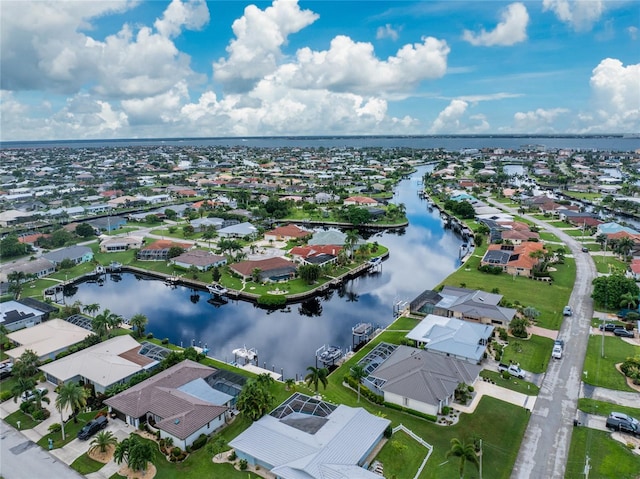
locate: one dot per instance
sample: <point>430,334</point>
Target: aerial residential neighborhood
<point>264,234</point>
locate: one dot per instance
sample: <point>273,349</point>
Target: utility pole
<point>587,468</point>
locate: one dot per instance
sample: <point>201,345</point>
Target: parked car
<point>5,370</point>
<point>92,427</point>
<point>624,417</point>
<point>622,426</point>
<point>567,311</point>
<point>609,327</point>
<point>511,369</point>
<point>556,353</point>
<point>585,250</point>
<point>623,333</point>
<point>29,395</point>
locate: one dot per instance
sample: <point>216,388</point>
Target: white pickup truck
<point>558,347</point>
<point>511,369</point>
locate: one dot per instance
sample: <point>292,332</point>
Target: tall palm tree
<point>91,308</point>
<point>315,376</point>
<point>350,240</point>
<point>466,452</point>
<point>70,395</point>
<point>103,440</point>
<point>138,322</point>
<point>358,373</point>
<point>21,386</point>
<point>625,246</point>
<point>104,322</point>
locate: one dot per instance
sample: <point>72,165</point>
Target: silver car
<point>625,417</point>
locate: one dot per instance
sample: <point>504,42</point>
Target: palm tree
<point>315,376</point>
<point>104,322</point>
<point>290,384</point>
<point>358,373</point>
<point>102,441</point>
<point>15,279</point>
<point>628,300</point>
<point>91,308</point>
<point>350,240</point>
<point>466,452</point>
<point>70,395</point>
<point>22,385</point>
<point>624,246</point>
<point>138,321</point>
<point>40,396</point>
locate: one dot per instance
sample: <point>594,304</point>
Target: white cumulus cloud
<point>387,31</point>
<point>511,30</point>
<point>191,15</point>
<point>260,34</point>
<point>580,14</point>
<point>449,119</point>
<point>537,121</point>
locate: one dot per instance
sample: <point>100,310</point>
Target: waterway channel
<point>421,255</point>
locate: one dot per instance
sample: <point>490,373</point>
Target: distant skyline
<point>156,69</point>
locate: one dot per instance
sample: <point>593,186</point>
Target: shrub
<point>233,456</point>
<point>176,451</point>
<point>272,300</point>
<point>198,443</point>
<point>422,415</point>
<point>55,427</point>
<point>27,407</point>
<point>41,414</point>
<point>445,410</point>
<point>150,336</point>
<point>502,333</point>
<point>388,432</point>
<point>4,395</point>
<point>364,391</point>
<point>165,341</point>
<point>243,464</point>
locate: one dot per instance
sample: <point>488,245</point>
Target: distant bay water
<point>449,143</point>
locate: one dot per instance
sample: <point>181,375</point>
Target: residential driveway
<point>621,398</point>
<point>482,388</point>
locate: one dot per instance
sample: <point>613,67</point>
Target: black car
<point>92,427</point>
<point>623,333</point>
<point>609,327</point>
<point>622,426</point>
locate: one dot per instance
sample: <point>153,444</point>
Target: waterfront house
<point>78,254</point>
<point>159,250</point>
<point>421,380</point>
<point>201,259</point>
<point>309,254</point>
<point>308,438</point>
<point>452,337</point>
<point>15,315</point>
<point>110,362</point>
<point>270,269</point>
<point>110,244</point>
<point>46,339</point>
<point>179,402</point>
<point>287,233</point>
<point>360,201</point>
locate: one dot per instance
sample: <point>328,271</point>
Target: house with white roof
<point>308,438</point>
<point>110,362</point>
<point>238,231</point>
<point>452,337</point>
<point>178,401</point>
<point>46,339</point>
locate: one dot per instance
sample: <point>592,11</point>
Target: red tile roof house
<point>179,402</point>
<point>311,254</point>
<point>201,259</point>
<point>287,233</point>
<point>635,268</point>
<point>360,201</point>
<point>513,259</point>
<point>271,269</point>
<point>159,250</point>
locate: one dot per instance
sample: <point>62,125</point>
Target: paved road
<point>23,459</point>
<point>545,447</point>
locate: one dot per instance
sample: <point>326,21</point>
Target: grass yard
<point>533,354</point>
<point>601,371</point>
<point>560,224</point>
<point>26,422</point>
<point>608,457</point>
<point>85,465</point>
<point>401,456</point>
<point>70,430</point>
<point>577,233</point>
<point>602,408</point>
<point>546,236</point>
<point>514,384</point>
<point>549,300</point>
<point>607,264</point>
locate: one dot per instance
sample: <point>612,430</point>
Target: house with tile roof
<point>315,254</point>
<point>452,337</point>
<point>287,233</point>
<point>421,380</point>
<point>159,250</point>
<point>513,259</point>
<point>201,259</point>
<point>178,401</point>
<point>306,438</point>
<point>271,269</point>
<point>360,201</point>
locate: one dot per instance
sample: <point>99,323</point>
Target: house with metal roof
<point>78,254</point>
<point>110,362</point>
<point>452,337</point>
<point>306,438</point>
<point>178,401</point>
<point>421,380</point>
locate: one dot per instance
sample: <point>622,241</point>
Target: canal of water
<point>421,255</point>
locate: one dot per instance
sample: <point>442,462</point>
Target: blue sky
<point>136,69</point>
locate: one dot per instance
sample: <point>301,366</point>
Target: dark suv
<point>623,333</point>
<point>92,427</point>
<point>609,327</point>
<point>622,426</point>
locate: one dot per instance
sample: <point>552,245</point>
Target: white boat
<point>99,270</point>
<point>330,354</point>
<point>218,289</point>
<point>375,261</point>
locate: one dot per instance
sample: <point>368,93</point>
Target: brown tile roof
<point>181,413</point>
<point>166,244</point>
<point>308,251</point>
<point>245,268</point>
<point>198,257</point>
<point>290,231</point>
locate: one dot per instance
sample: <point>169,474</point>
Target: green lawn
<point>85,465</point>
<point>546,236</point>
<point>601,371</point>
<point>608,458</point>
<point>533,354</point>
<point>602,408</point>
<point>70,429</point>
<point>512,383</point>
<point>560,224</point>
<point>549,300</point>
<point>26,422</point>
<point>577,233</point>
<point>607,264</point>
<point>401,456</point>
